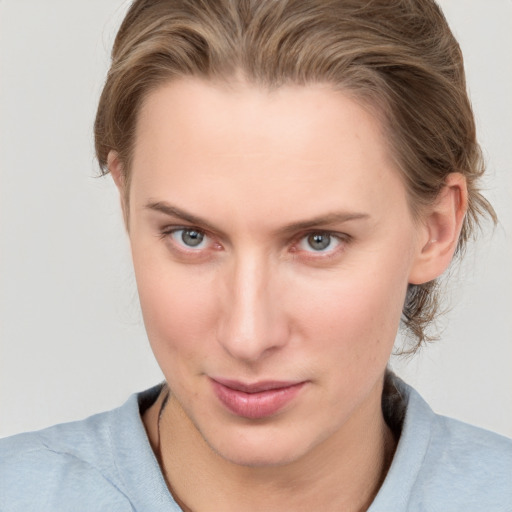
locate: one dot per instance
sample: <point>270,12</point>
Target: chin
<point>258,456</point>
<point>260,445</point>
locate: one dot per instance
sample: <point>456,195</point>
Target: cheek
<point>350,325</point>
<point>355,313</point>
<point>178,308</point>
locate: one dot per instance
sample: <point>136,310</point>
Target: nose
<point>253,323</point>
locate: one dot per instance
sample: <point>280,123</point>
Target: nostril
<point>250,335</point>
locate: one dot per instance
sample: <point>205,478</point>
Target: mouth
<point>255,400</point>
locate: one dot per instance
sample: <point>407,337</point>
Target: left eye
<point>319,242</point>
<point>189,238</point>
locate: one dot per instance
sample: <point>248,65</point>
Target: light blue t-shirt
<point>105,463</point>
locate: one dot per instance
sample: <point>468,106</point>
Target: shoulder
<point>465,461</point>
<point>444,464</point>
<point>69,466</point>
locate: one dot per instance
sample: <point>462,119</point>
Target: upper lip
<point>256,387</point>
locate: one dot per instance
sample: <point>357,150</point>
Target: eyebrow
<point>322,220</point>
<point>173,211</point>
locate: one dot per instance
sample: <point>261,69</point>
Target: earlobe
<point>441,229</point>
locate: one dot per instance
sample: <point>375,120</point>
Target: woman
<point>294,177</point>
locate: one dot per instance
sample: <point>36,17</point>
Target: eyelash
<point>169,232</point>
<point>342,240</point>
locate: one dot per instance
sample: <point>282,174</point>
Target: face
<point>272,245</point>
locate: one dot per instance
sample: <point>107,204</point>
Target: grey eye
<point>319,241</point>
<point>191,237</point>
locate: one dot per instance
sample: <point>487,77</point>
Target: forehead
<point>302,140</point>
<point>192,106</point>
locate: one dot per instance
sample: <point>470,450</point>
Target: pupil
<point>192,238</point>
<point>319,241</point>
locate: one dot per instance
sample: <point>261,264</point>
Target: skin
<point>255,301</point>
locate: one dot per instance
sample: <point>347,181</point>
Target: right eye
<point>190,238</point>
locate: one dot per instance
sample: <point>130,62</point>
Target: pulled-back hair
<point>398,56</point>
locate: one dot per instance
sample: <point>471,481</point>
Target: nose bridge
<point>252,323</point>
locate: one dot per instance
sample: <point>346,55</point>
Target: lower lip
<point>256,405</point>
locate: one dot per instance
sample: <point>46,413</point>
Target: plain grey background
<point>71,337</point>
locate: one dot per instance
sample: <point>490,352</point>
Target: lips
<point>256,400</point>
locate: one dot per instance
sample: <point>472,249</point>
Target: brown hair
<point>397,55</point>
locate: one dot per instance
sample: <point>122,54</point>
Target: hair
<point>398,56</point>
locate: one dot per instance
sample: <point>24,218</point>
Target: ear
<point>115,167</point>
<point>440,231</point>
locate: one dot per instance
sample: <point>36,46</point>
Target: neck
<point>344,472</point>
